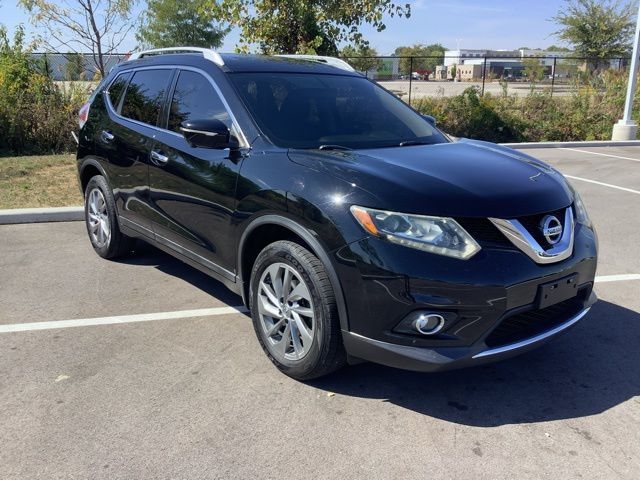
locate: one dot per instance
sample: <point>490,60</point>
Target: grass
<point>39,181</point>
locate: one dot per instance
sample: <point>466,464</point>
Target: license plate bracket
<point>557,291</point>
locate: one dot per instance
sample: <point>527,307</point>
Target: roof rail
<point>207,53</point>
<point>333,61</point>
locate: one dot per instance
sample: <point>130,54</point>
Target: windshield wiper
<point>333,147</point>
<point>409,143</point>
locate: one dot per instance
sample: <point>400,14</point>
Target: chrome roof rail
<point>207,53</point>
<point>333,61</point>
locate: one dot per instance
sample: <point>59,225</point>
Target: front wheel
<point>294,311</point>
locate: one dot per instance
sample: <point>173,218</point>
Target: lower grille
<point>534,322</point>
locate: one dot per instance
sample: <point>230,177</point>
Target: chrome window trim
<point>244,143</point>
<point>521,238</point>
<point>537,338</point>
<point>199,132</point>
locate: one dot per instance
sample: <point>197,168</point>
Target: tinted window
<point>195,99</point>
<point>307,110</point>
<point>144,95</point>
<point>116,89</point>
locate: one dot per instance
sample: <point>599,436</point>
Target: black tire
<point>118,244</point>
<point>326,353</point>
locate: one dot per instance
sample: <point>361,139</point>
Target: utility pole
<point>626,128</point>
<point>553,75</point>
<point>484,74</point>
<point>410,77</point>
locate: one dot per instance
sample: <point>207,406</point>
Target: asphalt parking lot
<point>188,393</point>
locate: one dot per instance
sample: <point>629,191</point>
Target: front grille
<point>533,225</point>
<point>483,231</point>
<point>534,322</point>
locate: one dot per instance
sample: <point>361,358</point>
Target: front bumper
<point>423,359</point>
<point>490,295</point>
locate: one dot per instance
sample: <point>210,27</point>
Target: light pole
<point>626,128</point>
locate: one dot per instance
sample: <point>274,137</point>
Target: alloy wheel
<point>286,312</point>
<point>98,218</point>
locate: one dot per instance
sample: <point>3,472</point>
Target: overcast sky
<point>491,24</point>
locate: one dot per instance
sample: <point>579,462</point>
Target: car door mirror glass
<point>210,133</point>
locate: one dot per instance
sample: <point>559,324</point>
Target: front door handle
<point>159,158</point>
<point>107,137</point>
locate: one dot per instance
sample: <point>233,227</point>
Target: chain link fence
<point>412,78</point>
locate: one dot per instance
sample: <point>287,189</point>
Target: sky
<point>473,24</point>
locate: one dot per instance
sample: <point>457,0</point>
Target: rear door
<point>193,189</point>
<point>130,138</point>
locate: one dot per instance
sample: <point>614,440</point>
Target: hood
<point>466,178</point>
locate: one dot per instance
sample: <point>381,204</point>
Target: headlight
<point>581,211</point>
<point>440,235</point>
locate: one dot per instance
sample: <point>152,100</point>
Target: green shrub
<point>36,116</point>
<point>588,113</point>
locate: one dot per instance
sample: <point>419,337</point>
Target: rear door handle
<point>107,137</point>
<point>159,158</point>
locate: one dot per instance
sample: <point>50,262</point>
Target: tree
<point>97,26</point>
<point>557,48</point>
<point>596,29</point>
<point>453,71</point>
<point>435,52</point>
<point>302,26</point>
<point>74,68</point>
<point>533,69</point>
<point>169,23</point>
<point>359,57</point>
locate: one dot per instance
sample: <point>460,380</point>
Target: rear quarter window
<point>116,89</point>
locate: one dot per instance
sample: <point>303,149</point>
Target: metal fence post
<point>410,77</point>
<point>553,75</point>
<point>484,74</point>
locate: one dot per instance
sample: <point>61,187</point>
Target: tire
<point>102,222</point>
<point>300,336</point>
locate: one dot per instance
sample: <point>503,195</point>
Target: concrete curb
<point>38,215</point>
<point>594,143</point>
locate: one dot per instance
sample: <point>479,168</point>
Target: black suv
<point>351,226</point>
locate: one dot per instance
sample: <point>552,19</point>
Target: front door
<point>193,189</point>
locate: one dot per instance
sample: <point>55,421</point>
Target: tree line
<point>590,28</point>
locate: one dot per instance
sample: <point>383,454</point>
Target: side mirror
<point>211,133</point>
<point>430,119</point>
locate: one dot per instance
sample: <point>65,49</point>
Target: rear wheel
<point>101,221</point>
<point>294,311</point>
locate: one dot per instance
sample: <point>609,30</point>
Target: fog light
<point>428,323</point>
<point>425,322</point>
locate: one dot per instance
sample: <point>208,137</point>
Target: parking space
<point>188,393</point>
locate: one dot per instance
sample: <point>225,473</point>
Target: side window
<point>195,99</point>
<point>144,95</point>
<point>116,89</point>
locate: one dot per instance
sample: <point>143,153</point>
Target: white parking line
<point>202,312</point>
<point>143,317</point>
<point>624,189</point>
<point>617,278</point>
<point>601,154</point>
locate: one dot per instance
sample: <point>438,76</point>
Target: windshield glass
<point>311,111</point>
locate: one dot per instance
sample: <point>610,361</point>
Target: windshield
<point>330,111</point>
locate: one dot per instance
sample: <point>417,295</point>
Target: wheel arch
<point>267,229</point>
<point>90,168</point>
